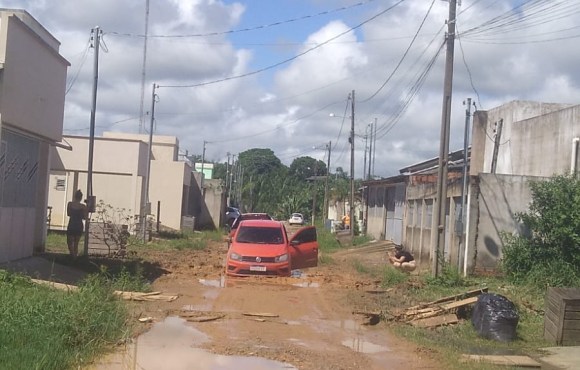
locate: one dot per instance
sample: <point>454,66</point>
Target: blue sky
<point>525,54</point>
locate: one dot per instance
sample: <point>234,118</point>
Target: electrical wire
<point>273,24</point>
<point>467,66</point>
<point>289,59</point>
<point>404,55</point>
<point>82,63</point>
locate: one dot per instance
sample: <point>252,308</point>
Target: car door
<point>304,248</point>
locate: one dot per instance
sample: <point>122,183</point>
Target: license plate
<point>258,268</point>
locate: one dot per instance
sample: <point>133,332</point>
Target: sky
<point>279,74</point>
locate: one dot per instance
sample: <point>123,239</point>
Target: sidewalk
<point>561,358</point>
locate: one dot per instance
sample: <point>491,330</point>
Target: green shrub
<point>550,255</point>
<point>449,277</point>
<point>393,276</point>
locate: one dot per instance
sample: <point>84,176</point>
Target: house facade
<point>119,173</point>
<point>512,145</point>
<point>32,92</point>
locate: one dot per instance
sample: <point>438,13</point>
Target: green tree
<point>304,167</point>
<point>550,253</point>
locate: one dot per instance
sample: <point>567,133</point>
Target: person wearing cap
<point>403,260</point>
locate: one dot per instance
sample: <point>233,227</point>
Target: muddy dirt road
<point>302,322</point>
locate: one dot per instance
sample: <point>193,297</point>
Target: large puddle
<point>171,345</point>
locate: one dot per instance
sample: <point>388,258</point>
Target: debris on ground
<point>518,361</point>
<point>129,296</point>
<point>437,313</point>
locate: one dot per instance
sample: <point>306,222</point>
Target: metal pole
<point>96,37</point>
<point>145,208</point>
<point>464,185</point>
<point>352,167</point>
<point>325,212</point>
<point>144,68</point>
<point>440,215</point>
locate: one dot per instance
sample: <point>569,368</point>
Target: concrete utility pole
<point>374,148</point>
<point>370,153</point>
<point>438,248</point>
<point>202,176</point>
<point>227,179</point>
<point>365,156</point>
<point>146,206</point>
<point>96,39</point>
<point>352,167</point>
<point>325,212</point>
<point>464,185</point>
<point>231,194</point>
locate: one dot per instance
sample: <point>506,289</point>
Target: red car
<point>261,247</point>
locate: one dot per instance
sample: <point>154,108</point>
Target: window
<point>411,213</point>
<point>260,235</point>
<point>428,213</point>
<point>60,184</point>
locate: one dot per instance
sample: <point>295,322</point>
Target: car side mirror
<point>295,243</point>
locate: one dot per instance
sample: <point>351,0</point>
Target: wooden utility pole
<point>352,166</point>
<point>438,248</point>
<point>96,40</point>
<point>496,145</point>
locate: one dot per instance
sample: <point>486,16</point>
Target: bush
<point>550,255</point>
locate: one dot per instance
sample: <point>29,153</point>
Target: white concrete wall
<point>34,80</point>
<point>535,153</point>
<point>168,180</point>
<point>165,148</point>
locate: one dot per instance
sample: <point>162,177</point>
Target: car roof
<point>296,213</point>
<point>261,223</point>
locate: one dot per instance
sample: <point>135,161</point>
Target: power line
<point>273,24</point>
<point>292,58</point>
<point>404,55</point>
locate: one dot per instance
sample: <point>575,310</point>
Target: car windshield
<point>296,215</point>
<point>260,235</point>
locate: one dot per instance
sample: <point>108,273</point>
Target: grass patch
<point>325,259</point>
<point>56,241</point>
<point>43,328</point>
<point>360,267</point>
<point>391,277</point>
<point>452,341</point>
<point>182,241</point>
<point>327,241</point>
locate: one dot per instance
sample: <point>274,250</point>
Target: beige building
<point>119,176</point>
<point>32,91</point>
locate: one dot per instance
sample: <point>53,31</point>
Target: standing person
<point>403,260</point>
<point>77,212</point>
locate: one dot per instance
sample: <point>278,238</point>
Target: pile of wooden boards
<point>440,312</point>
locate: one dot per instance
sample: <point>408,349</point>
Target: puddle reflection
<point>363,346</point>
<point>216,283</point>
<point>171,345</point>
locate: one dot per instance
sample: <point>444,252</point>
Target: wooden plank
<point>463,302</point>
<point>260,314</point>
<point>550,329</point>
<point>571,334</point>
<point>434,322</point>
<point>571,324</point>
<point>468,294</point>
<point>571,315</point>
<point>522,361</point>
<point>573,307</point>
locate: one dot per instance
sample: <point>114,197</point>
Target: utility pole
<point>374,148</point>
<point>464,185</point>
<point>352,167</point>
<point>233,170</point>
<point>365,156</point>
<point>144,67</point>
<point>146,207</point>
<point>227,179</point>
<point>325,212</point>
<point>314,192</point>
<point>439,244</point>
<point>496,145</point>
<point>96,40</point>
<point>370,153</point>
<point>202,176</point>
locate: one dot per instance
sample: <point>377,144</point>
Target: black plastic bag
<point>495,317</point>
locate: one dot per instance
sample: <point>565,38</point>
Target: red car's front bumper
<point>243,268</point>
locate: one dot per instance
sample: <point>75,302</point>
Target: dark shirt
<point>408,256</point>
<point>75,221</point>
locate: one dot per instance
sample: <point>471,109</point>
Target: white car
<point>296,219</point>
